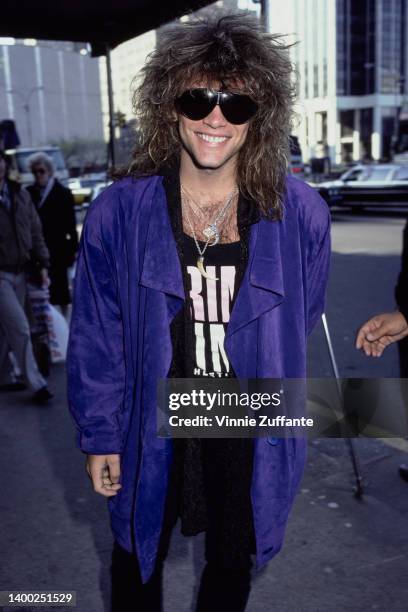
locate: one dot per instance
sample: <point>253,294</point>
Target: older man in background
<point>21,243</point>
<point>55,206</point>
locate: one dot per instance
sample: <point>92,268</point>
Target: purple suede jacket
<point>128,287</point>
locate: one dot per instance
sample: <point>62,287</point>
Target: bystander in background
<point>21,244</point>
<point>55,206</point>
<point>386,328</point>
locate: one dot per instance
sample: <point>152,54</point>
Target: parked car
<point>19,170</point>
<point>296,161</point>
<point>84,187</point>
<point>368,185</point>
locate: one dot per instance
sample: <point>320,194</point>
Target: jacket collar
<point>161,265</point>
<point>262,286</point>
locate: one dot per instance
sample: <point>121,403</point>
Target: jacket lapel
<point>161,265</point>
<point>262,287</point>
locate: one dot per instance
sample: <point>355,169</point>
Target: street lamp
<point>26,106</point>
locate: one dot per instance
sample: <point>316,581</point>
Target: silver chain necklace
<point>211,231</point>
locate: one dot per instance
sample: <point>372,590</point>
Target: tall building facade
<point>126,62</point>
<point>352,63</point>
<point>51,90</point>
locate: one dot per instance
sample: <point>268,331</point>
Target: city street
<point>340,553</point>
<point>219,99</point>
<point>364,270</point>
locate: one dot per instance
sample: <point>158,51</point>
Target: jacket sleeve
<point>401,290</point>
<point>39,248</point>
<point>95,357</point>
<point>318,267</point>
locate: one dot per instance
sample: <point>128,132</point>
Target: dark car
<point>296,161</point>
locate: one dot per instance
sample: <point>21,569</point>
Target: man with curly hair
<point>204,260</point>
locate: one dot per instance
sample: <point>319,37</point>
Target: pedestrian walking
<point>320,162</point>
<point>21,244</point>
<point>205,260</point>
<point>56,208</point>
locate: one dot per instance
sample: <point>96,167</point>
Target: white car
<point>368,185</point>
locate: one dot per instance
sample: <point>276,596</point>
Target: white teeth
<point>212,138</point>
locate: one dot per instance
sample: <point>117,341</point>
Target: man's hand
<point>381,331</point>
<point>104,471</point>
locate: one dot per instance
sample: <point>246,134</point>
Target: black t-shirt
<point>214,474</point>
<point>209,305</point>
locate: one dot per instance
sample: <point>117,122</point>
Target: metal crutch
<point>358,489</point>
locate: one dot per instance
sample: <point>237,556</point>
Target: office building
<point>352,62</point>
<point>51,90</point>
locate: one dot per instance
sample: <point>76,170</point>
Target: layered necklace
<point>211,231</point>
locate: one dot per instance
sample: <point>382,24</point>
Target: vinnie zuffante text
<point>216,401</point>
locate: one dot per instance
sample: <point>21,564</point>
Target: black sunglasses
<point>39,171</point>
<point>196,104</point>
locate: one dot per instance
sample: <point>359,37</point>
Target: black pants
<point>222,588</point>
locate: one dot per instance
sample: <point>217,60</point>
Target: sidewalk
<point>340,553</point>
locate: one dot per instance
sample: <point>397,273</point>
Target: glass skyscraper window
<point>341,46</point>
<point>392,57</point>
<point>355,26</point>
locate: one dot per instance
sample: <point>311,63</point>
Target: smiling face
<point>212,142</point>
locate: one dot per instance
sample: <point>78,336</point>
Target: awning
<point>98,22</point>
<point>103,24</point>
